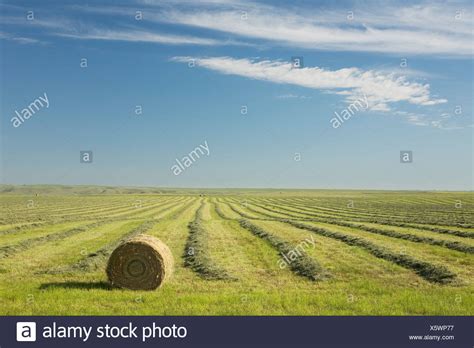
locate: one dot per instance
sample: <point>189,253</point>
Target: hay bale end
<point>141,263</point>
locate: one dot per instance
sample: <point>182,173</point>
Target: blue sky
<point>193,66</point>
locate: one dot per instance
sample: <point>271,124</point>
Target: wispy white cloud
<point>444,29</point>
<point>19,39</point>
<point>292,96</point>
<point>441,29</point>
<point>138,36</point>
<point>415,119</point>
<point>196,3</point>
<point>70,28</point>
<point>444,121</point>
<point>380,89</point>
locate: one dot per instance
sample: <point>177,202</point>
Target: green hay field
<point>240,252</point>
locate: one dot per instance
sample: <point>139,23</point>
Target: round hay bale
<point>141,263</point>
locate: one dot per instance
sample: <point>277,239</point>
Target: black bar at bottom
<point>292,332</point>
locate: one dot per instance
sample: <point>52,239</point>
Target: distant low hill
<point>121,190</point>
<point>118,190</point>
<point>79,190</point>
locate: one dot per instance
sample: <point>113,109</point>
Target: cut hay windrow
<point>315,217</point>
<point>220,213</point>
<point>140,210</point>
<point>196,254</point>
<point>174,202</point>
<point>310,209</point>
<point>463,234</point>
<point>53,209</point>
<point>241,213</point>
<point>21,228</point>
<point>353,211</point>
<point>97,213</point>
<point>141,263</point>
<point>182,210</point>
<point>266,216</point>
<point>126,213</point>
<point>428,271</point>
<point>300,264</point>
<point>97,259</point>
<point>9,250</point>
<point>154,214</point>
<point>383,215</point>
<point>458,246</point>
<point>410,224</point>
<point>87,211</point>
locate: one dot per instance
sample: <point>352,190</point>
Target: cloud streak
<point>19,39</point>
<point>381,89</point>
<point>442,29</point>
<point>436,29</point>
<point>139,36</point>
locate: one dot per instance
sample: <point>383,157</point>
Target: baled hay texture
<point>141,263</point>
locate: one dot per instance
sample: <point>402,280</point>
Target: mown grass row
<point>388,207</point>
<point>121,215</point>
<point>22,228</point>
<point>181,210</point>
<point>11,249</point>
<point>410,214</point>
<point>196,254</point>
<point>75,211</point>
<point>463,234</point>
<point>391,222</point>
<point>458,246</point>
<point>428,271</point>
<point>140,210</point>
<point>59,205</point>
<point>300,263</point>
<point>219,212</point>
<point>97,259</point>
<point>241,213</point>
<point>93,213</point>
<point>8,250</point>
